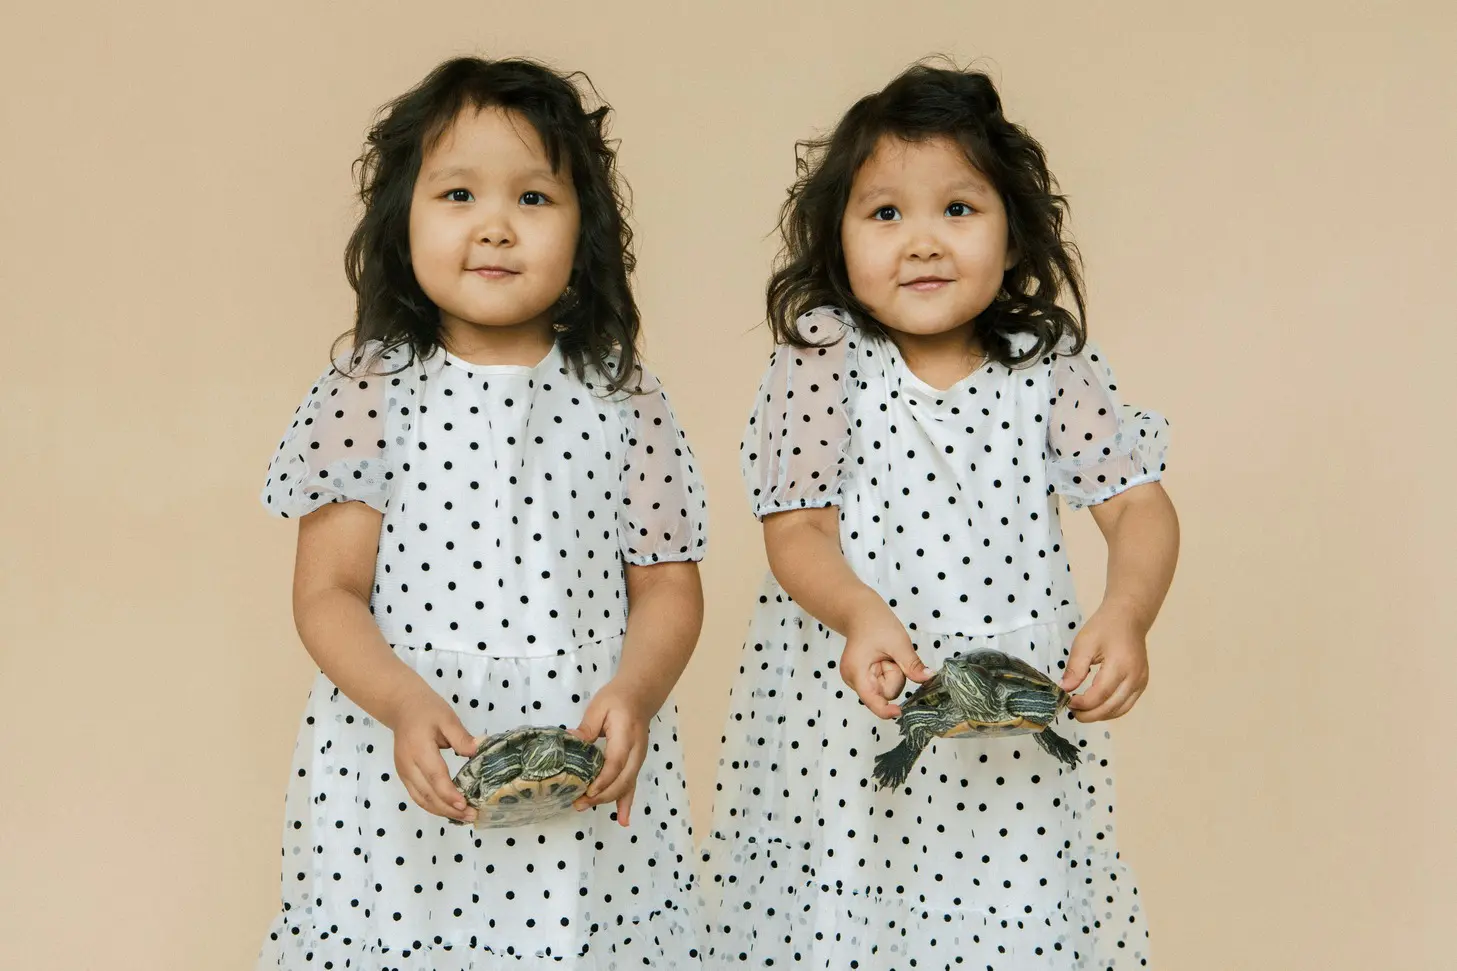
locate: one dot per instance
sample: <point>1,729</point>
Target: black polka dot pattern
<point>512,498</point>
<point>992,855</point>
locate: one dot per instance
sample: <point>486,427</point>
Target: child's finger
<point>438,780</point>
<point>909,662</point>
<point>461,741</point>
<point>892,681</point>
<point>868,688</point>
<point>614,790</point>
<point>1079,661</point>
<point>1127,704</point>
<point>411,779</point>
<point>413,792</point>
<point>421,792</point>
<point>1105,708</point>
<point>591,728</point>
<point>619,747</point>
<point>1098,692</point>
<point>626,779</point>
<point>624,805</point>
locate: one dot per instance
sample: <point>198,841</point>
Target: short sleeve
<point>793,450</point>
<point>664,511</point>
<point>334,451</point>
<point>1097,446</point>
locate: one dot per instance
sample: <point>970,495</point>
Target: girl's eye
<point>959,209</point>
<point>533,199</point>
<point>886,214</point>
<point>460,195</point>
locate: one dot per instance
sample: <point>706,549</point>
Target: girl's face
<point>493,230</point>
<point>925,237</point>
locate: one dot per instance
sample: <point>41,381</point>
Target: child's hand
<point>617,712</point>
<point>878,658</point>
<point>425,725</point>
<point>1112,638</point>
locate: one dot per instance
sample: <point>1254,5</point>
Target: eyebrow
<point>461,171</point>
<point>966,186</point>
<point>972,186</point>
<point>450,173</point>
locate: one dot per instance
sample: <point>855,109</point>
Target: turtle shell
<point>997,677</point>
<point>1009,668</point>
<point>527,775</point>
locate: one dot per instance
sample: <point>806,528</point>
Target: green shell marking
<point>527,775</point>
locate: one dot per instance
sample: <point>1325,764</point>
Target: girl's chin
<point>913,325</point>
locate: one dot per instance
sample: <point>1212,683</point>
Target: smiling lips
<point>926,284</point>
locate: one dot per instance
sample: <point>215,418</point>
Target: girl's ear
<point>1013,257</point>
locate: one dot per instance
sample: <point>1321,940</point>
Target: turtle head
<point>968,683</point>
<point>543,755</point>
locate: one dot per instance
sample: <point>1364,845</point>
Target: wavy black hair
<point>597,318</point>
<point>928,102</point>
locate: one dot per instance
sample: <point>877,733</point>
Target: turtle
<point>526,775</point>
<point>979,694</point>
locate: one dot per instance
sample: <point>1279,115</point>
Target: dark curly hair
<point>922,103</point>
<point>597,318</point>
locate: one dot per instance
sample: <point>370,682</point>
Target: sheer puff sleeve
<point>336,448</point>
<point>1097,446</point>
<point>794,447</point>
<point>664,512</point>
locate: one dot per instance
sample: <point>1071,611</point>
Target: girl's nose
<point>924,246</point>
<point>494,228</point>
<point>495,235</point>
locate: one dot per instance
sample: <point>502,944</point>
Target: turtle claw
<point>892,768</point>
<point>1058,747</point>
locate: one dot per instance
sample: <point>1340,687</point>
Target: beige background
<point>1262,190</point>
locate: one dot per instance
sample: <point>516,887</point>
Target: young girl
<point>927,403</point>
<point>499,523</point>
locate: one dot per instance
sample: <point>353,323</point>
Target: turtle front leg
<point>1058,747</point>
<point>894,767</point>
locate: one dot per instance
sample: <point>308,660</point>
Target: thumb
<point>591,728</point>
<point>462,741</point>
<point>910,662</point>
<point>1079,661</point>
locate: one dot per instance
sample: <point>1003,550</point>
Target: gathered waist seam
<point>1056,617</point>
<point>505,653</point>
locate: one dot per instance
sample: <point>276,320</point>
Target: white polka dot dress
<point>992,855</point>
<point>512,497</point>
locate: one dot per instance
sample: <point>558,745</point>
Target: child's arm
<point>1142,532</point>
<point>663,528</point>
<point>793,455</point>
<point>805,557</point>
<point>333,575</point>
<point>664,617</point>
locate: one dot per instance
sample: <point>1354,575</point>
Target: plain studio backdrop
<point>1263,195</point>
